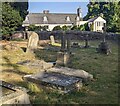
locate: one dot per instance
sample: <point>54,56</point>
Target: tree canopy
<point>13,14</point>
<point>109,13</point>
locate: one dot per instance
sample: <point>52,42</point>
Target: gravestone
<point>86,42</point>
<point>60,82</point>
<point>75,45</point>
<point>53,43</point>
<point>103,47</point>
<point>33,41</point>
<point>63,57</point>
<point>52,39</point>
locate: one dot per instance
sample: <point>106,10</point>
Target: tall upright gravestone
<point>33,41</point>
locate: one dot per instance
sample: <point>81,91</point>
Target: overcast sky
<point>57,7</point>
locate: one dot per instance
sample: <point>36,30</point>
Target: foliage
<point>91,27</point>
<point>13,14</point>
<point>74,27</point>
<point>37,28</point>
<point>84,27</point>
<point>57,28</point>
<point>109,11</point>
<point>11,19</point>
<point>65,28</point>
<point>118,21</point>
<point>22,7</point>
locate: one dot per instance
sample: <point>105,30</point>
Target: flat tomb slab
<point>61,82</point>
<point>12,94</point>
<point>71,72</point>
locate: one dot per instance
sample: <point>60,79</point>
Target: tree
<point>56,28</point>
<point>109,11</point>
<point>65,28</point>
<point>13,14</point>
<point>22,7</point>
<point>11,19</point>
<point>118,21</point>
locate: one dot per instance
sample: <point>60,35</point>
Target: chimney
<point>79,12</point>
<point>45,11</point>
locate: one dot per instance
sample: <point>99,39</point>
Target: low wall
<point>74,35</point>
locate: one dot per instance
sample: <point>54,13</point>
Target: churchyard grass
<point>102,90</point>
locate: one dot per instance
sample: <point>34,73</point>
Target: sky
<point>58,7</point>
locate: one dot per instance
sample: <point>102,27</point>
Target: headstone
<point>52,39</point>
<point>103,47</point>
<point>33,41</point>
<point>86,41</point>
<point>63,58</point>
<point>75,45</point>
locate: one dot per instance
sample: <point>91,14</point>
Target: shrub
<point>57,28</point>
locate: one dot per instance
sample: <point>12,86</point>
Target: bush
<point>56,28</point>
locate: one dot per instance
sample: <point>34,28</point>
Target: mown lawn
<point>102,90</point>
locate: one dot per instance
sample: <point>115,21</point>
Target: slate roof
<point>53,18</point>
<point>92,19</point>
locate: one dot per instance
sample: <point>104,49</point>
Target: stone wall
<point>76,35</point>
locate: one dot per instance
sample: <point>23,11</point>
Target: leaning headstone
<point>33,41</point>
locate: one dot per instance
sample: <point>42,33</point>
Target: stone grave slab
<point>72,72</point>
<point>12,94</point>
<point>63,83</point>
<point>38,64</point>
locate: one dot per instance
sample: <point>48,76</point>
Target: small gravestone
<point>52,39</point>
<point>33,41</point>
<point>103,47</point>
<point>75,45</point>
<point>86,42</point>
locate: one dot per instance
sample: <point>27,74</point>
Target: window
<point>45,19</point>
<point>67,18</point>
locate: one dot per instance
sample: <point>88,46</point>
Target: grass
<point>102,90</point>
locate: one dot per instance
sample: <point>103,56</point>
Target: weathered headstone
<point>63,57</point>
<point>53,43</point>
<point>103,47</point>
<point>33,41</point>
<point>52,39</point>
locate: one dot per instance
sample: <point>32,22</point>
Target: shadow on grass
<point>46,55</point>
<point>15,67</point>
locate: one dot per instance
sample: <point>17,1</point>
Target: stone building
<point>50,20</point>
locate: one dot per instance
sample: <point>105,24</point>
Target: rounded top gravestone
<point>33,41</point>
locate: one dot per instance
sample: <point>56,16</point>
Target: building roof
<point>95,18</point>
<point>53,18</point>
